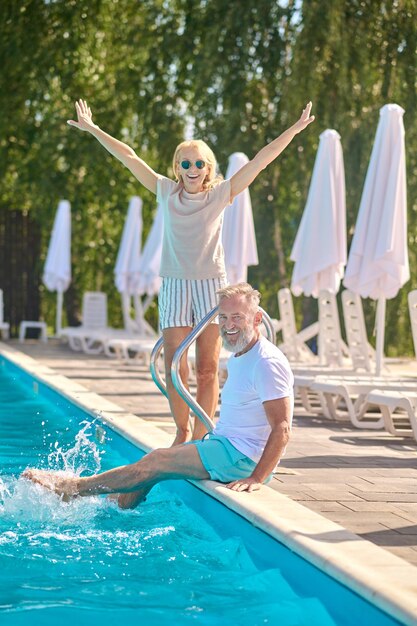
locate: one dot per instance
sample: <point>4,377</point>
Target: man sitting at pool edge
<point>249,438</point>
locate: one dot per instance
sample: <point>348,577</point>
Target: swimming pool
<point>182,556</point>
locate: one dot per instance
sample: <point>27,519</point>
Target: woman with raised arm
<point>192,266</point>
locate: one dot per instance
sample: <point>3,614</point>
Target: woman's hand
<point>118,149</point>
<point>84,115</point>
<point>305,119</point>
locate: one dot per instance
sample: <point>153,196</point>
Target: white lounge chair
<point>294,343</point>
<point>332,349</point>
<point>129,348</point>
<point>398,409</point>
<point>4,326</point>
<point>345,397</point>
<point>333,353</point>
<point>399,406</point>
<point>361,352</point>
<point>344,394</point>
<point>304,380</point>
<point>94,319</point>
<point>412,308</point>
<point>118,341</point>
<point>306,365</point>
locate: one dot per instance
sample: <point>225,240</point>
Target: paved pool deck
<point>364,480</point>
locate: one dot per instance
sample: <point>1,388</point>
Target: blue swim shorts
<point>223,461</point>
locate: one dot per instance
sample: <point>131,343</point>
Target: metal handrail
<point>267,322</point>
<point>184,345</point>
<point>156,376</point>
<point>175,370</point>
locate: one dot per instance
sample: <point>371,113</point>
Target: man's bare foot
<point>129,500</point>
<point>65,486</point>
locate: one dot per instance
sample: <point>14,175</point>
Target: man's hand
<point>248,484</point>
<point>84,115</point>
<point>305,119</point>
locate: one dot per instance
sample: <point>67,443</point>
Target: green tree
<point>237,73</point>
<point>109,53</point>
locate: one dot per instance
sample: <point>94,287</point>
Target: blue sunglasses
<point>187,164</point>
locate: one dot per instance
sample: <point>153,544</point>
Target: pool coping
<point>384,579</point>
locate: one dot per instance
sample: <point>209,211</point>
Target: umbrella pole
<point>59,303</point>
<point>148,301</point>
<point>137,300</point>
<point>320,338</point>
<point>380,334</point>
<point>127,320</point>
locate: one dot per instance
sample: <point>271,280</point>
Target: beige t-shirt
<point>192,246</point>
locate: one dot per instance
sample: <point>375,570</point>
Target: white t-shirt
<point>192,246</point>
<point>263,373</point>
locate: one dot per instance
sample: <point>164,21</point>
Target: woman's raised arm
<point>120,150</point>
<point>245,176</point>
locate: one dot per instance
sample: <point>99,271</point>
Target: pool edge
<point>375,574</point>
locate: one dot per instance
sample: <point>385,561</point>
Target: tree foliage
<point>238,73</point>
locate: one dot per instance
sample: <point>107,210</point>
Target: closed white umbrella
<point>378,258</point>
<point>319,249</point>
<point>238,235</point>
<point>127,270</point>
<point>57,269</point>
<point>149,280</point>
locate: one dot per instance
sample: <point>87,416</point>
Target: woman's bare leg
<point>207,367</point>
<point>179,409</point>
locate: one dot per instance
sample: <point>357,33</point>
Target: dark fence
<point>19,267</point>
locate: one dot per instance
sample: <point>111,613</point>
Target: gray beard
<point>244,340</point>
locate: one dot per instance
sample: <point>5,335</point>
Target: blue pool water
<point>181,557</point>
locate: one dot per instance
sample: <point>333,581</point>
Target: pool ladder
<point>176,378</point>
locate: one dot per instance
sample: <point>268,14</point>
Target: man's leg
<point>178,462</point>
<point>130,500</point>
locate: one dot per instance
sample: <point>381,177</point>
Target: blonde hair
<point>213,178</point>
<point>251,295</point>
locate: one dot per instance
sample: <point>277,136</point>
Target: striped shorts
<point>184,302</point>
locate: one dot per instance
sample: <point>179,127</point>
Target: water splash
<point>4,491</point>
<point>23,502</point>
<point>83,456</point>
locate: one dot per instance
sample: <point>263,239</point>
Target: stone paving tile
<point>332,485</point>
<point>407,484</point>
<point>387,497</point>
<point>405,553</point>
<point>359,527</point>
<point>408,510</point>
<point>408,517</point>
<point>408,530</point>
<point>387,538</point>
<point>387,519</point>
<point>298,496</point>
<point>329,495</point>
<point>324,507</point>
<point>398,472</point>
<point>375,489</point>
<point>388,507</point>
<point>366,479</point>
